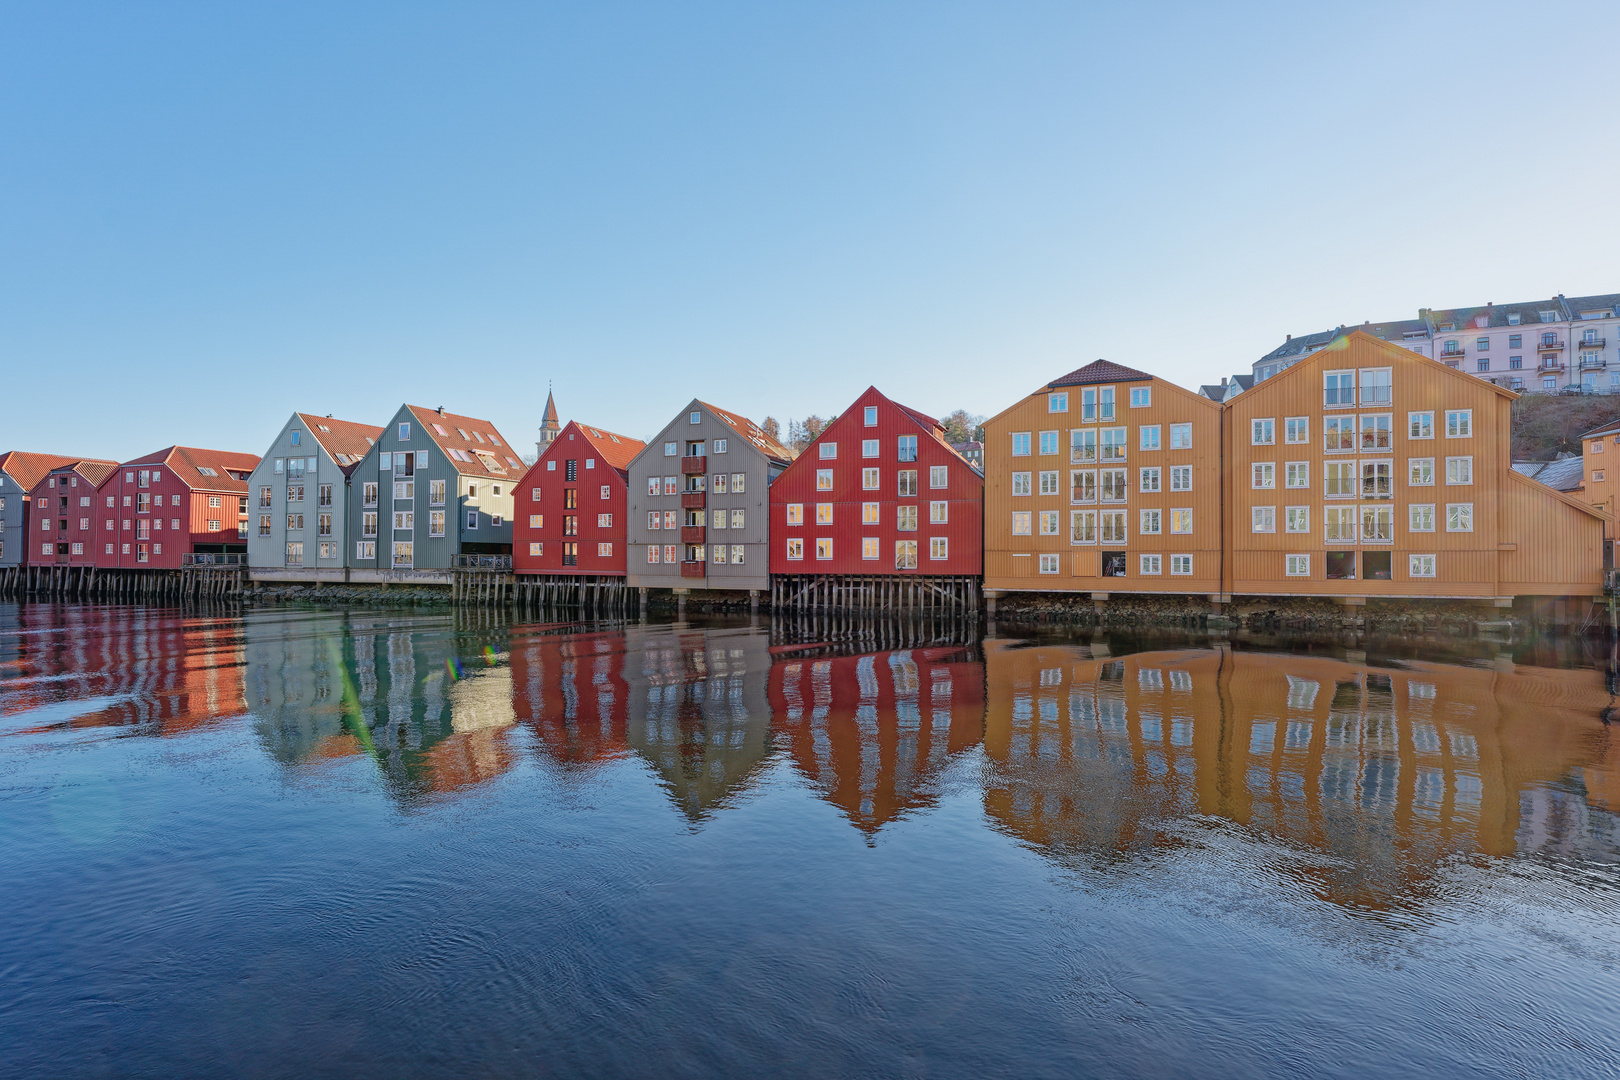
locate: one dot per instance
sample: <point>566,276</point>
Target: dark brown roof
<point>29,469</point>
<point>485,450</point>
<point>343,437</point>
<point>203,470</point>
<point>1100,371</point>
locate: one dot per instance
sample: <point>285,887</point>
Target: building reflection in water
<point>1386,771</point>
<point>571,692</point>
<point>872,733</point>
<point>157,672</point>
<point>430,704</point>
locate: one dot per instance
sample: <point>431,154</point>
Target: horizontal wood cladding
<point>1518,535</point>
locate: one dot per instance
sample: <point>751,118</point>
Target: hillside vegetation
<point>1546,424</point>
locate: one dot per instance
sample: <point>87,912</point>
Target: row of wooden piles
<point>89,583</point>
<point>957,597</point>
<point>586,596</point>
<point>876,630</point>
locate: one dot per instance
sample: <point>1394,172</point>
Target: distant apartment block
<point>1567,344</point>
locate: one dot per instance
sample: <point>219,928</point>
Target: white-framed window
<point>737,482</point>
<point>1376,432</point>
<point>869,547</point>
<point>1021,483</point>
<point>1150,565</point>
<point>718,553</point>
<point>1112,526</point>
<point>1049,483</point>
<point>1298,566</point>
<point>695,418</point>
<point>1339,524</point>
<point>472,519</point>
<point>1339,479</point>
<point>1149,522</point>
<point>1297,474</point>
<point>824,548</point>
<point>1181,520</point>
<point>939,512</point>
<point>672,519</point>
<point>737,551</point>
<point>1181,565</point>
<point>1263,519</point>
<point>1181,478</point>
<point>829,450</point>
<point>1141,397</point>
<point>1377,479</point>
<point>869,448</point>
<point>1263,474</point>
<point>1181,436</point>
<point>1082,526</point>
<point>824,515</point>
<point>1020,444</point>
<point>871,480</point>
<point>1022,521</point>
<point>1376,386</point>
<point>1420,517</point>
<point>1377,524</point>
<point>717,484</point>
<point>1113,444</point>
<point>1147,437</point>
<point>1420,566</point>
<point>939,548</point>
<point>938,477</point>
<point>795,513</point>
<point>1058,402</point>
<point>719,446</point>
<point>1082,485</point>
<point>1338,434</point>
<point>1297,519</point>
<point>1049,522</point>
<point>672,449</point>
<point>1049,564</point>
<point>1297,429</point>
<point>870,418</point>
<point>737,517</point>
<point>1111,485</point>
<point>905,554</point>
<point>1082,446</point>
<point>1420,425</point>
<point>795,549</point>
<point>654,520</point>
<point>1263,432</point>
<point>435,522</point>
<point>1148,479</point>
<point>1338,389</point>
<point>871,513</point>
<point>605,550</point>
<point>1420,471</point>
<point>824,479</point>
<point>1459,470</point>
<point>1459,517</point>
<point>1459,423</point>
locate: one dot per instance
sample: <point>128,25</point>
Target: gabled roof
<point>1599,302</point>
<point>28,469</point>
<point>617,451</point>
<point>1343,340</point>
<point>1565,474</point>
<point>753,433</point>
<point>203,470</point>
<point>345,440</point>
<point>1100,371</point>
<point>1611,428</point>
<point>473,446</point>
<point>94,470</point>
<point>1587,508</point>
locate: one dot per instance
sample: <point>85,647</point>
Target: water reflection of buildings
<point>872,733</point>
<point>150,669</point>
<point>1386,771</point>
<point>698,711</point>
<point>570,690</point>
<point>430,705</point>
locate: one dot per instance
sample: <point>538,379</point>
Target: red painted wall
<point>165,542</point>
<point>963,493</point>
<point>549,475</point>
<point>52,490</point>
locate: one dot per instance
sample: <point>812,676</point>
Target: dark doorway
<point>1341,565</point>
<point>1375,566</point>
<point>1113,564</point>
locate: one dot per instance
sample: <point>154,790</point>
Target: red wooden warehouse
<point>64,514</point>
<point>878,512</point>
<point>173,507</point>
<point>568,539</point>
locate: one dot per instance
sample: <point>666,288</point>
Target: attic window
<point>1549,316</point>
<point>596,433</point>
<point>696,418</point>
<point>206,471</point>
<point>440,429</point>
<point>324,428</point>
<point>615,438</point>
<point>494,441</point>
<point>463,433</point>
<point>370,441</point>
<point>513,462</point>
<point>1514,320</point>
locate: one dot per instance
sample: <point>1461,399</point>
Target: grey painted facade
<point>413,507</point>
<point>13,517</point>
<point>298,511</point>
<point>730,451</point>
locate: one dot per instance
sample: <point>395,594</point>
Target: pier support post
<point>680,602</point>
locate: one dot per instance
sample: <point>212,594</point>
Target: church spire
<point>549,427</point>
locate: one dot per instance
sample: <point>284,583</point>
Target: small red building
<point>64,514</point>
<point>571,505</point>
<point>176,502</point>
<point>879,493</point>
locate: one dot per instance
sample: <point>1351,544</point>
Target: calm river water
<point>326,843</point>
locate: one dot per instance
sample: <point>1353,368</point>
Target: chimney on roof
<point>1290,337</point>
<point>1223,380</point>
<point>441,410</point>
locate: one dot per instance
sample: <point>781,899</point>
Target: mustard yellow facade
<point>1369,470</point>
<point>1104,480</point>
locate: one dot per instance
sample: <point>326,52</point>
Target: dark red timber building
<point>878,513</point>
<point>568,533</point>
<point>64,514</point>
<point>178,506</point>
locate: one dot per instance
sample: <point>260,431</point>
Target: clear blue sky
<point>214,214</point>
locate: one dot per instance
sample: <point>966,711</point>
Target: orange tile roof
<point>188,463</point>
<point>480,444</point>
<point>752,432</point>
<point>94,470</point>
<point>617,450</point>
<point>344,437</point>
<point>28,469</point>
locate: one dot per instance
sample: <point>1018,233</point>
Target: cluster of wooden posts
<point>957,596</point>
<point>127,586</point>
<point>590,596</point>
<point>878,630</point>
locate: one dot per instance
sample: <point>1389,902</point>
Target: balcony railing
<point>1451,354</point>
<point>1549,346</point>
<point>692,500</point>
<point>196,558</point>
<point>691,534</point>
<point>1592,343</point>
<point>481,562</point>
<point>694,466</point>
<point>1591,363</point>
<point>1551,363</point>
<point>694,569</point>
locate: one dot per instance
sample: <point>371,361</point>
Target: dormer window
<point>1549,316</point>
<point>1515,320</point>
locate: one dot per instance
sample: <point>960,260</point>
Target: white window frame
<point>1459,423</point>
<point>1263,431</point>
<point>1262,475</point>
<point>1460,471</point>
<point>1463,513</point>
<point>1149,565</point>
<point>1298,565</point>
<point>1262,519</point>
<point>1420,566</point>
